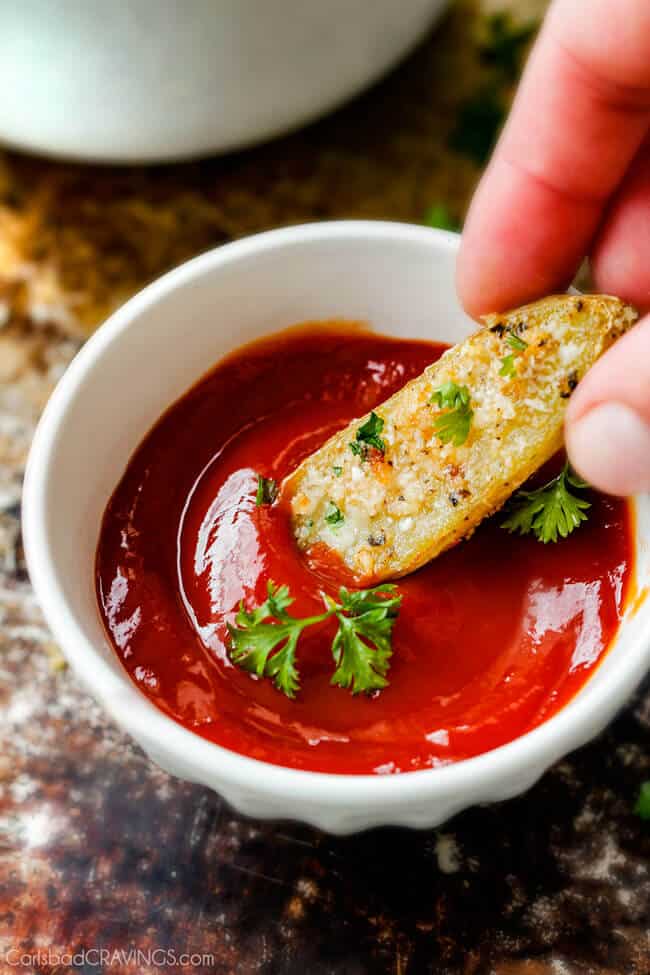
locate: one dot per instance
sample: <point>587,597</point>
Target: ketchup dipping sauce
<point>493,637</point>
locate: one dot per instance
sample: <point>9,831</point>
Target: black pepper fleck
<point>572,382</point>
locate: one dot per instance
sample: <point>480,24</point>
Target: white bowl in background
<point>153,80</point>
<point>399,278</point>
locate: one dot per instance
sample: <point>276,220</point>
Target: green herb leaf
<point>264,640</point>
<point>453,425</point>
<point>252,640</point>
<point>508,367</point>
<point>508,362</point>
<point>368,436</point>
<point>516,343</point>
<point>551,511</point>
<point>337,471</point>
<point>267,490</point>
<point>438,216</point>
<point>362,647</point>
<point>360,600</point>
<point>642,807</point>
<point>333,514</point>
<point>450,396</point>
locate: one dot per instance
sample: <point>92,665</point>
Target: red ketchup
<point>493,637</point>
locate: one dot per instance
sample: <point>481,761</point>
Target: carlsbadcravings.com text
<point>107,957</point>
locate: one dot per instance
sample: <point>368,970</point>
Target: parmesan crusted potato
<point>397,487</point>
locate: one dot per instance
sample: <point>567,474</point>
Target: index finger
<point>580,115</point>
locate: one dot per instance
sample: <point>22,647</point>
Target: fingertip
<point>607,425</point>
<point>610,447</point>
<point>485,281</point>
<point>621,253</point>
<point>521,240</point>
<point>614,274</point>
<point>470,281</point>
<point>621,375</point>
<point>488,237</point>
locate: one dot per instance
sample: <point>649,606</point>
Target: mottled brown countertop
<point>101,850</point>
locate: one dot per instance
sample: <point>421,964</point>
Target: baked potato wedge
<point>398,486</point>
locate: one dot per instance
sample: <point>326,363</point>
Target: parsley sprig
<point>264,640</point>
<point>517,345</point>
<point>267,490</point>
<point>253,640</point>
<point>333,514</point>
<point>362,647</point>
<point>549,512</point>
<point>452,426</point>
<point>368,436</point>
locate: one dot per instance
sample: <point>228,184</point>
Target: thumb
<point>607,427</point>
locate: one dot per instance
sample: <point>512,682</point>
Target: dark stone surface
<point>101,850</point>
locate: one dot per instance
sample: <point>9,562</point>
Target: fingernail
<point>610,447</point>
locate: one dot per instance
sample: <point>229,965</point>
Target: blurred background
<point>97,847</point>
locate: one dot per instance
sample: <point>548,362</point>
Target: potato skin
<point>403,507</point>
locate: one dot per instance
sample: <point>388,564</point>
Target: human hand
<point>570,176</point>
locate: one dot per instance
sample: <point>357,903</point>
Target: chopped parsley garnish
<point>264,640</point>
<point>508,367</point>
<point>518,345</point>
<point>368,436</point>
<point>642,807</point>
<point>333,514</point>
<point>438,216</point>
<point>505,43</point>
<point>453,425</point>
<point>550,512</point>
<point>337,470</point>
<point>267,490</point>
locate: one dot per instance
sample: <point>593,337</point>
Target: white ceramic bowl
<point>400,278</point>
<point>115,80</point>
